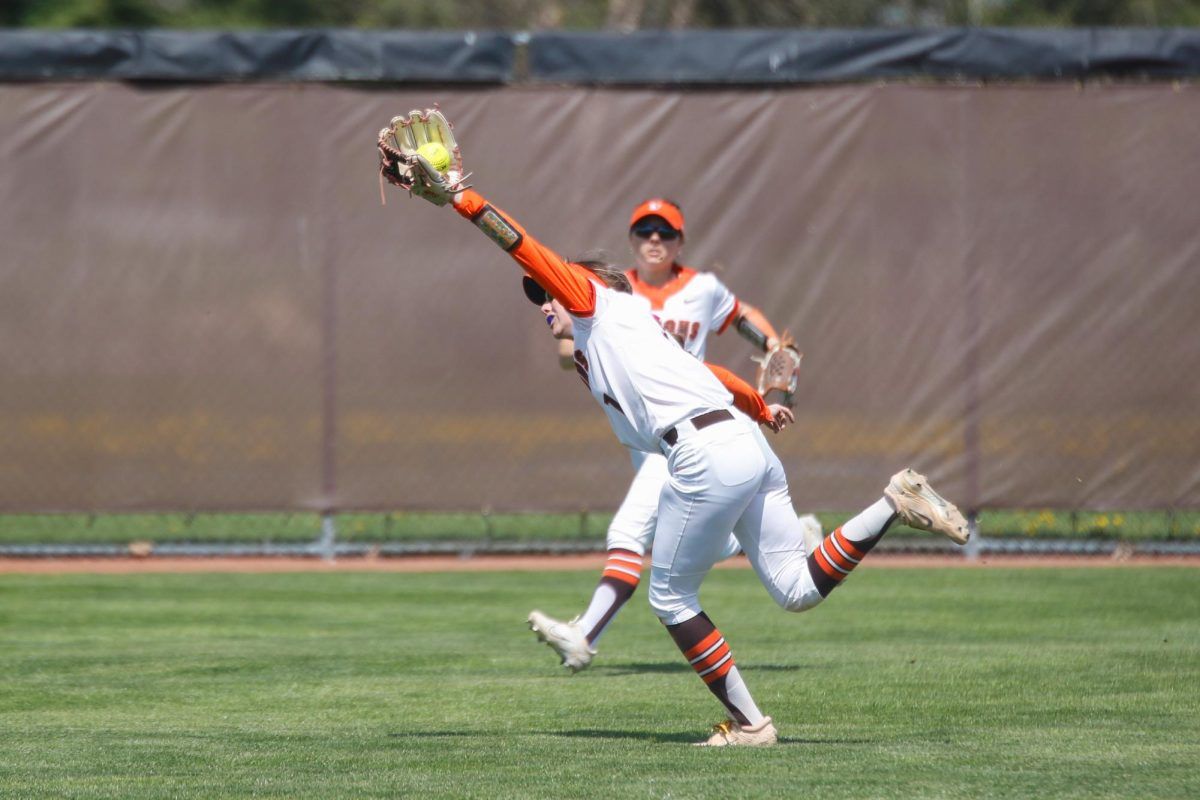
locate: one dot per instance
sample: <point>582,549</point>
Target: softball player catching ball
<point>723,475</point>
<point>690,305</point>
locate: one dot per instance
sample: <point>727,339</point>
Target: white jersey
<point>690,305</point>
<point>639,375</point>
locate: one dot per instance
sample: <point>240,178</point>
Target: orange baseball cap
<point>658,207</point>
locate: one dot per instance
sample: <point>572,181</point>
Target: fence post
<point>327,545</point>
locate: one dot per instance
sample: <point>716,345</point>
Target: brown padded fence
<point>204,306</point>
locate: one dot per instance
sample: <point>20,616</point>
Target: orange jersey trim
<point>745,398</point>
<point>737,306</point>
<point>569,284</point>
<point>658,295</point>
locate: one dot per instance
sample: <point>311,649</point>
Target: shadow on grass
<point>681,667</point>
<point>689,738</point>
<point>646,736</point>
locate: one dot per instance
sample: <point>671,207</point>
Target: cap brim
<point>534,291</point>
<point>665,209</point>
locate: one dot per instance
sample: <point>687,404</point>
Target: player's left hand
<point>781,417</point>
<point>405,148</point>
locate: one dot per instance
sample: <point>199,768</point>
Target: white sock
<point>739,697</point>
<point>870,523</point>
<point>603,600</point>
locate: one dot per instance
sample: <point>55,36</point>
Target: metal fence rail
<point>322,548</point>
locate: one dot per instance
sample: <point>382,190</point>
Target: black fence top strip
<point>302,55</point>
<point>828,56</point>
<point>722,57</point>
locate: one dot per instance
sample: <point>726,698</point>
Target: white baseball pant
<point>632,527</point>
<point>726,477</point>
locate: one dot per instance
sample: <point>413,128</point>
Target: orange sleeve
<point>747,400</point>
<point>569,284</point>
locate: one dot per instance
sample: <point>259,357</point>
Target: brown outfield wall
<point>995,284</point>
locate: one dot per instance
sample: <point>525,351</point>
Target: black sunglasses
<point>533,290</point>
<point>665,232</point>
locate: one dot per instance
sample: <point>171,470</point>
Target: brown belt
<point>698,422</point>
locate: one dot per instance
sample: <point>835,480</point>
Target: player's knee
<point>801,602</point>
<point>801,595</point>
<point>672,608</point>
<point>634,538</point>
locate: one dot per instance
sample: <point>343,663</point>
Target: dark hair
<point>612,276</point>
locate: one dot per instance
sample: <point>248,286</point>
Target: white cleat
<point>729,733</point>
<point>565,638</point>
<point>810,527</point>
<point>919,506</point>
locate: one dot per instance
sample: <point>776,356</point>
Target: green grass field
<point>907,683</point>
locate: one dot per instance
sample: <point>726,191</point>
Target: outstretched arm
<point>754,326</point>
<point>569,284</point>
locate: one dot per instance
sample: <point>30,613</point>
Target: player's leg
<point>711,483</point>
<point>629,537</point>
<point>908,497</point>
<point>800,575</point>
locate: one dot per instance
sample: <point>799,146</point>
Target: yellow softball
<point>436,154</point>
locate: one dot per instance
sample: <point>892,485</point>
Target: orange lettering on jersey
<point>681,329</point>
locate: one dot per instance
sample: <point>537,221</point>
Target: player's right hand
<point>781,417</point>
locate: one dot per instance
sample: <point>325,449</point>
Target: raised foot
<point>919,506</point>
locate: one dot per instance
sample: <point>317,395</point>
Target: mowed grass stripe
<point>906,683</point>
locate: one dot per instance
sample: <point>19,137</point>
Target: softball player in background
<point>723,474</point>
<point>690,305</point>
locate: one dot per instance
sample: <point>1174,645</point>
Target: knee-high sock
<point>842,550</point>
<point>622,573</point>
<point>705,649</point>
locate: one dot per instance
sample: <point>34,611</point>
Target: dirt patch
<point>594,561</point>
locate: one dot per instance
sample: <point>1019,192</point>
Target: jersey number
<point>682,329</point>
<point>581,366</point>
